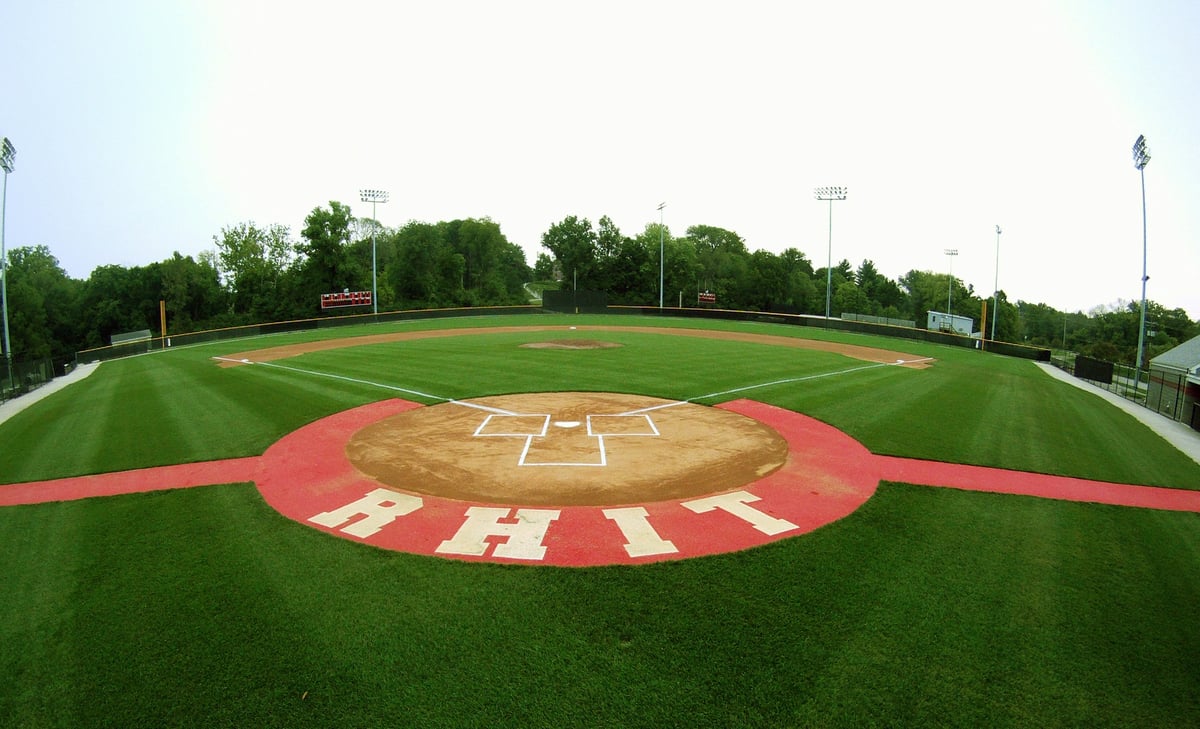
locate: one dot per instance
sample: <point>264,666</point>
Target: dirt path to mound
<point>869,354</point>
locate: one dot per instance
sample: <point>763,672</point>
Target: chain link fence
<point>23,377</point>
<point>1167,393</point>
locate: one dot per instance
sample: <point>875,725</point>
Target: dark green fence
<point>820,322</point>
<point>575,302</point>
<point>253,330</point>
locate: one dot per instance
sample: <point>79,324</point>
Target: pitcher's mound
<point>571,344</point>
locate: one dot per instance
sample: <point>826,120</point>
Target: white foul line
<point>394,388</point>
<point>779,382</point>
<point>500,411</point>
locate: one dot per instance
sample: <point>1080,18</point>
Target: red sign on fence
<point>706,298</point>
<point>345,298</point>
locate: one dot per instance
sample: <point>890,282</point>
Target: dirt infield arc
<point>867,354</point>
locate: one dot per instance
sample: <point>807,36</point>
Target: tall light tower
<point>373,196</point>
<point>830,194</point>
<point>996,285</point>
<point>7,154</point>
<point>951,252</point>
<point>1141,155</point>
<point>661,205</point>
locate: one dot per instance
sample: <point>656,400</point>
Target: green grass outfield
<point>204,607</point>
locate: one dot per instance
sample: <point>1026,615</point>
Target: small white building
<point>940,322</point>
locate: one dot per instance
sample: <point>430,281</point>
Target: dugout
<point>1174,387</point>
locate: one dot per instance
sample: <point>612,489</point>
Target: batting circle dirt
<point>567,448</point>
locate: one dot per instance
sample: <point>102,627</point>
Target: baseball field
<point>611,521</point>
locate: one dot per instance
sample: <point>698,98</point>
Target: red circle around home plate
<point>826,475</point>
<point>308,477</point>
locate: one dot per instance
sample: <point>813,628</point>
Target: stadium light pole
<point>951,252</point>
<point>1141,155</point>
<point>7,154</point>
<point>996,285</point>
<point>373,196</point>
<point>830,194</point>
<point>661,205</point>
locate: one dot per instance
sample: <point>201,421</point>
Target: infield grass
<point>204,607</point>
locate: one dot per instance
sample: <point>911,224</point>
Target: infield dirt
<point>869,354</point>
<point>567,448</point>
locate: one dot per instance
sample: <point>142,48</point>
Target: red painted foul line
<point>185,475</point>
<point>1022,483</point>
<point>181,476</point>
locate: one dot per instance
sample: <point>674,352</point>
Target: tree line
<point>716,261</point>
<point>255,274</point>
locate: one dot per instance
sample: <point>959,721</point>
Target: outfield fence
<point>118,351</point>
<point>1040,354</point>
<point>581,301</point>
<point>909,323</point>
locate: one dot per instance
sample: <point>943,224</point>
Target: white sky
<point>143,128</point>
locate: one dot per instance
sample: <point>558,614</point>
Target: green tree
<point>573,244</point>
<point>495,270</point>
<point>632,274</point>
<point>1040,325</point>
<point>514,272</point>
<point>922,288</point>
<point>723,263</point>
<point>829,281</point>
<point>325,267</point>
<point>767,284</point>
<point>681,269</point>
<point>543,268</point>
<point>849,298</point>
<point>428,272</point>
<point>43,305</point>
<point>881,292</point>
<point>802,290</point>
<point>116,299</point>
<point>191,292</point>
<point>251,261</point>
<point>675,269</point>
<point>608,251</point>
<point>1007,317</point>
<point>457,263</point>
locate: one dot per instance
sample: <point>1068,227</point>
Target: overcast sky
<point>143,128</point>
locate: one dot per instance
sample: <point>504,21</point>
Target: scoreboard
<point>345,298</point>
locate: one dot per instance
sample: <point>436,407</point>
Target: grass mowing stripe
<point>382,386</point>
<point>925,606</point>
<point>37,606</point>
